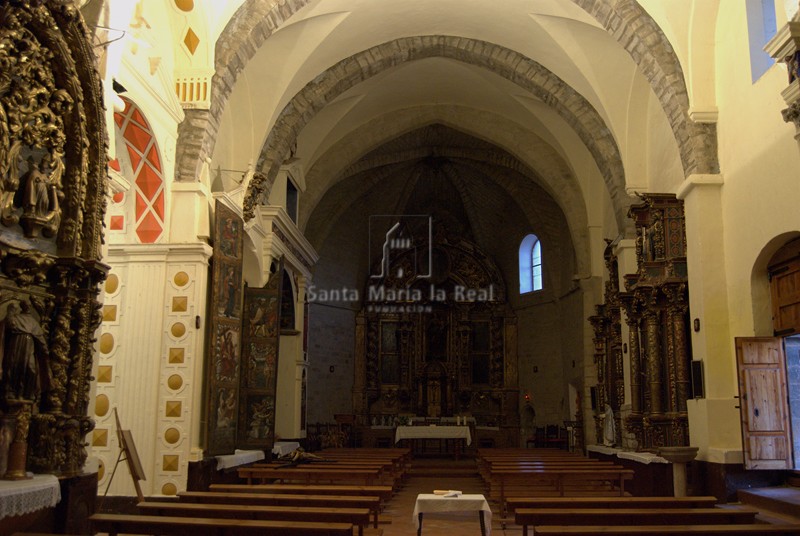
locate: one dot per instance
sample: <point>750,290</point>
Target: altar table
<point>431,503</point>
<point>434,432</point>
<point>20,497</point>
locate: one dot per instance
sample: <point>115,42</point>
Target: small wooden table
<point>431,503</point>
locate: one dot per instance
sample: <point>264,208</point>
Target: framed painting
<point>259,377</point>
<point>224,340</point>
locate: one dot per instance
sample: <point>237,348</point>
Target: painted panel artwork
<point>225,333</point>
<point>260,337</point>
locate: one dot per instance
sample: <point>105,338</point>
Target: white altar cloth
<point>428,503</point>
<point>642,457</point>
<point>610,451</point>
<point>20,497</point>
<point>239,457</point>
<point>282,448</point>
<point>433,432</point>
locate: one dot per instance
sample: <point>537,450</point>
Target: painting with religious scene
<point>224,333</point>
<point>260,338</point>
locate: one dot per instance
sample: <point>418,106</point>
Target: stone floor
<point>427,475</point>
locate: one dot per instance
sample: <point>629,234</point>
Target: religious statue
<point>37,199</point>
<point>609,427</point>
<point>41,193</point>
<point>25,373</point>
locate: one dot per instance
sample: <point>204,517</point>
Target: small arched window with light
<point>530,264</point>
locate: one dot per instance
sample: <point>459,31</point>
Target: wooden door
<point>766,433</point>
<point>785,290</point>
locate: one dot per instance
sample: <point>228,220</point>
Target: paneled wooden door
<point>766,430</point>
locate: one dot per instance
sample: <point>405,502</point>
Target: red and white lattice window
<point>145,167</point>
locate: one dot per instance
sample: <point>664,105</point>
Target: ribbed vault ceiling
<point>472,188</point>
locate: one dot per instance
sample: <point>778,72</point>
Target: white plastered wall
<point>756,202</point>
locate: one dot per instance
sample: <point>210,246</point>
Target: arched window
<point>530,264</point>
<point>761,27</point>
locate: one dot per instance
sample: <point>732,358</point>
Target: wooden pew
<point>385,468</point>
<point>384,492</point>
<point>400,459</point>
<point>758,529</point>
<point>611,502</point>
<point>312,475</point>
<point>355,516</point>
<point>631,516</point>
<point>285,499</point>
<point>486,470</point>
<point>114,524</point>
<point>558,482</point>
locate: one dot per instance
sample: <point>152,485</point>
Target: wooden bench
<point>384,492</point>
<point>285,499</point>
<point>669,530</point>
<point>311,475</point>
<point>386,471</point>
<point>513,503</point>
<point>631,516</point>
<point>114,524</point>
<point>355,516</point>
<point>558,482</point>
<point>487,470</point>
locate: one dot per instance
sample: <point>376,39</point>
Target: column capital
<point>696,180</point>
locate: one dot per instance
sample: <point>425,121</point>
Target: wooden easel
<point>127,448</point>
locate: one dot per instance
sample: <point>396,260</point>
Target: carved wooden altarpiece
<point>432,354</point>
<point>53,159</point>
<point>656,305</point>
<point>608,349</point>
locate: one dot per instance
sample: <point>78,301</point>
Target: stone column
<point>714,421</point>
<point>679,456</point>
<point>359,365</point>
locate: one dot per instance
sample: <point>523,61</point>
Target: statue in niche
<point>37,200</point>
<point>40,196</point>
<point>25,374</point>
<point>655,238</point>
<point>609,427</point>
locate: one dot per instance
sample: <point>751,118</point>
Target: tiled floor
<point>427,475</point>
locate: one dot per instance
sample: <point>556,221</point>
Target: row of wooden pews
<point>333,466</point>
<point>333,496</point>
<point>510,473</point>
<point>638,516</point>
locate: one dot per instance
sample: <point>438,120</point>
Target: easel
<point>127,448</point>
